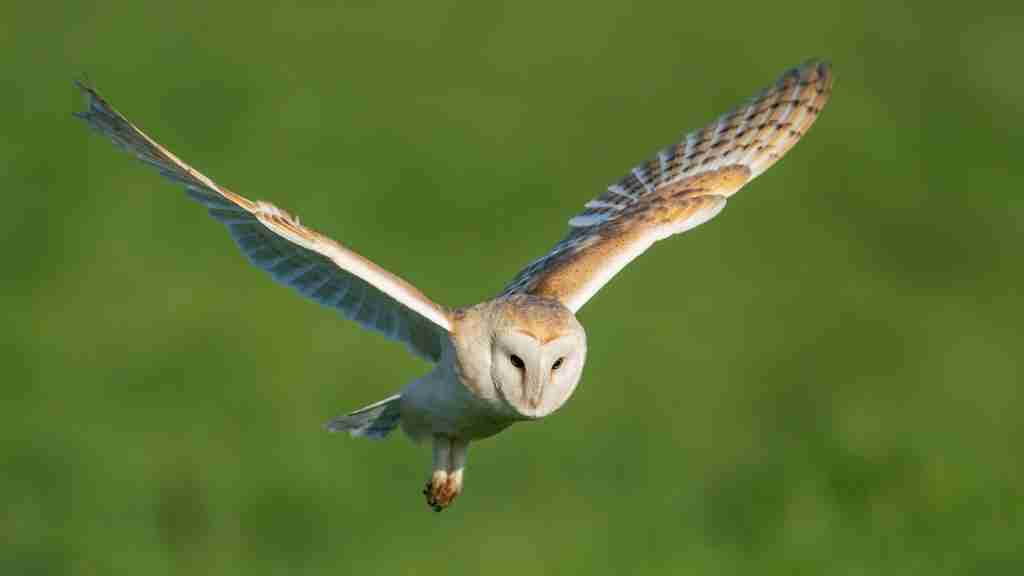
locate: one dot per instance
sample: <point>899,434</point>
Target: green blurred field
<point>824,380</point>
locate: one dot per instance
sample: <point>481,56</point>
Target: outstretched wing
<point>683,187</point>
<point>313,264</point>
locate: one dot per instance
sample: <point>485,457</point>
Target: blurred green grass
<point>823,380</point>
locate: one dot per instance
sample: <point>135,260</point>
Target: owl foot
<point>441,491</point>
<point>446,480</point>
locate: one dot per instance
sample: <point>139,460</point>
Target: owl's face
<point>522,354</point>
<point>534,376</point>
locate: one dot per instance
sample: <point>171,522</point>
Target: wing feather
<point>275,241</point>
<point>684,186</point>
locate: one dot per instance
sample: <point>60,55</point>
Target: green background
<point>825,379</point>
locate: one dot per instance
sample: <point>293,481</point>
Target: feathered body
<point>518,356</point>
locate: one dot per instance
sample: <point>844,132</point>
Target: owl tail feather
<point>374,421</point>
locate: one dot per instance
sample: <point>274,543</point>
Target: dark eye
<point>557,364</point>
<point>517,361</point>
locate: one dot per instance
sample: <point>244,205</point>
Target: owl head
<point>522,353</point>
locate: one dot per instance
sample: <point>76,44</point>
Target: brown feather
<point>685,185</point>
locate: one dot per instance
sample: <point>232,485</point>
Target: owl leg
<point>439,476</point>
<point>446,480</point>
<point>456,467</point>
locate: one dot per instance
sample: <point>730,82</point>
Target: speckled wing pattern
<point>297,256</point>
<point>684,186</point>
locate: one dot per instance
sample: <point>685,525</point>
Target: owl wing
<point>313,264</point>
<point>684,186</point>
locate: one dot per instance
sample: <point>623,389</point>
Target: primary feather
<point>684,186</point>
<point>304,259</point>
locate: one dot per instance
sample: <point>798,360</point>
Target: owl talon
<point>441,492</point>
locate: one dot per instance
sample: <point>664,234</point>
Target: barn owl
<point>517,356</point>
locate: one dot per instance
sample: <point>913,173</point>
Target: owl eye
<point>557,364</point>
<point>517,361</point>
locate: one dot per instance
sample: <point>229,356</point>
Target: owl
<point>518,356</point>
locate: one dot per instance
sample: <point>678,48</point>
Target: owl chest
<point>441,403</point>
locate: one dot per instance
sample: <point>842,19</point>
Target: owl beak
<point>535,382</point>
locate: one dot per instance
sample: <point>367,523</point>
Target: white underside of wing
<point>385,282</point>
<point>312,263</point>
<point>358,266</point>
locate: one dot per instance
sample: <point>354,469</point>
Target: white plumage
<point>518,356</point>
